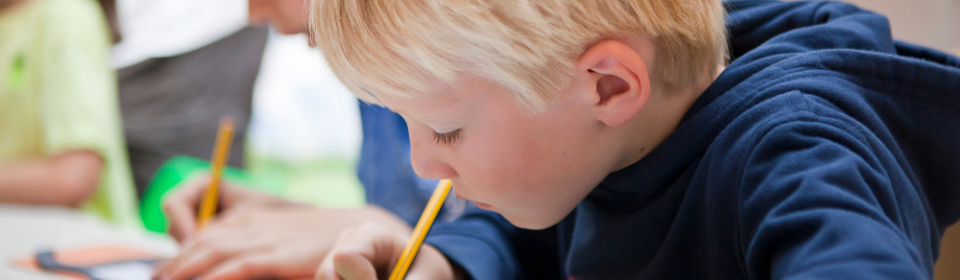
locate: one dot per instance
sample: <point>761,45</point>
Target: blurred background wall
<point>305,127</point>
<point>933,23</point>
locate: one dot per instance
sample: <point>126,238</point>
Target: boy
<point>823,150</point>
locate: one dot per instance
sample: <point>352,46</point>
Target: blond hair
<point>387,47</point>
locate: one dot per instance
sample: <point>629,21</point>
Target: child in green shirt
<point>60,128</point>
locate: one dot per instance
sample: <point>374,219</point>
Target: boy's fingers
<point>430,264</point>
<point>353,266</point>
<point>363,252</point>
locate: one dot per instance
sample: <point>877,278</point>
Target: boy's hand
<point>277,242</point>
<point>181,207</point>
<point>371,251</point>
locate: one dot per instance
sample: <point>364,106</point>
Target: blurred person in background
<point>61,141</point>
<point>182,66</point>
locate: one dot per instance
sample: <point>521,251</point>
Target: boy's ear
<point>614,79</point>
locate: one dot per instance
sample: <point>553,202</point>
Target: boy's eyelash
<point>447,138</point>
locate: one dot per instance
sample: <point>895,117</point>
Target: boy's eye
<point>447,138</point>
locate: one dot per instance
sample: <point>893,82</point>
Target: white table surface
<point>26,229</point>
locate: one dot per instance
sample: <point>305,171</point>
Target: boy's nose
<point>427,160</point>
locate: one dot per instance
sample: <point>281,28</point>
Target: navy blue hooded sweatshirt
<point>826,150</point>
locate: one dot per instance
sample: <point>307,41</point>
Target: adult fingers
<point>257,266</point>
<point>181,206</point>
<point>228,224</point>
<point>199,258</point>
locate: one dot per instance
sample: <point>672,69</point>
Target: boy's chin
<point>531,222</point>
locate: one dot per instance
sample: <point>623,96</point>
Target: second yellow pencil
<point>221,152</point>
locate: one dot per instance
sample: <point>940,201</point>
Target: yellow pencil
<point>220,154</point>
<point>420,231</point>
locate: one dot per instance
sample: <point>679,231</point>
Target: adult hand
<point>370,252</point>
<point>265,242</point>
<point>181,207</point>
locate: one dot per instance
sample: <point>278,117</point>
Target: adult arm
<point>69,179</point>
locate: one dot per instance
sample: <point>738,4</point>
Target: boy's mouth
<point>483,206</point>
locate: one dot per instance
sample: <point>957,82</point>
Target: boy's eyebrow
<point>429,116</point>
<point>432,117</point>
<point>437,114</point>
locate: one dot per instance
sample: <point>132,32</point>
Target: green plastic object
<point>180,168</point>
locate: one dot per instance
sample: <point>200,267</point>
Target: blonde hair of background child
<point>395,48</point>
